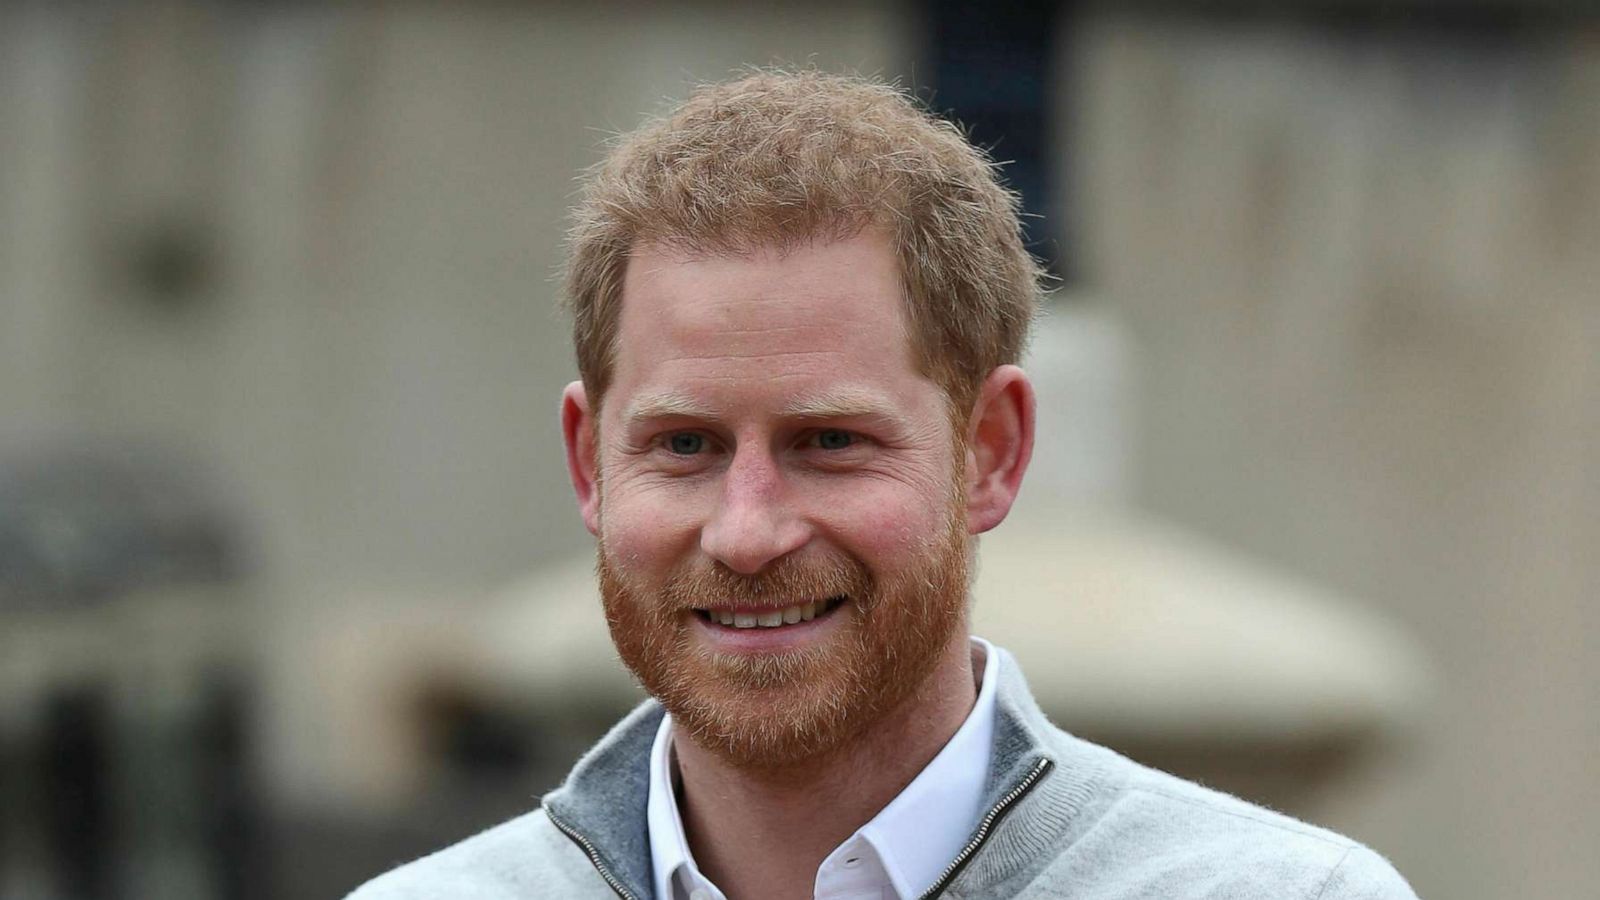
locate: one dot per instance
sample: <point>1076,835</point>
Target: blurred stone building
<point>1358,256</point>
<point>1363,267</point>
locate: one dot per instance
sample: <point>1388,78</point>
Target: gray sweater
<point>1065,818</point>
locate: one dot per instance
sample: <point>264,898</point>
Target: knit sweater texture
<point>1066,818</point>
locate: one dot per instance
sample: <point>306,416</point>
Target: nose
<point>755,522</point>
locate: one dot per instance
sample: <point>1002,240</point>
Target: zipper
<point>985,826</point>
<point>594,857</point>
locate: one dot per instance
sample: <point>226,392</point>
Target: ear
<point>999,446</point>
<point>578,432</point>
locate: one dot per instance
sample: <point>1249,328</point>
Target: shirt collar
<point>926,825</point>
<point>669,846</point>
<point>916,836</point>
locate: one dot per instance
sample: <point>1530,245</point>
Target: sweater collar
<point>604,800</point>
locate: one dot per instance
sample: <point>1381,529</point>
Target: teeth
<point>789,615</point>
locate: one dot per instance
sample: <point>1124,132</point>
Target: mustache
<point>788,581</point>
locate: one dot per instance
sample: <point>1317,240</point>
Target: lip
<point>756,641</point>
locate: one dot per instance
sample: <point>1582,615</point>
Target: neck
<point>764,833</point>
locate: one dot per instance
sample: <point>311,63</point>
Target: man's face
<point>783,544</point>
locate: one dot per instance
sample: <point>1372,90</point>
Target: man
<point>799,303</point>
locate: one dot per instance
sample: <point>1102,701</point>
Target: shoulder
<point>523,858</point>
<point>1205,832</point>
<point>1099,826</point>
<point>1161,836</point>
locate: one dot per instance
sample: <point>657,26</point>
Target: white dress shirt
<point>896,856</point>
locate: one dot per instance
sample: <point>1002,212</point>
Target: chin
<point>770,710</point>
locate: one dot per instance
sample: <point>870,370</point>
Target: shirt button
<point>852,862</point>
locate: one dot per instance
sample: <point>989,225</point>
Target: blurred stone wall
<point>1362,271</point>
<point>316,247</point>
<point>319,246</point>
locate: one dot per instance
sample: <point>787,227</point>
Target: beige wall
<point>372,381</point>
<point>377,373</point>
<point>1363,280</point>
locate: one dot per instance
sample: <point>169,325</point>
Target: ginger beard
<point>775,710</point>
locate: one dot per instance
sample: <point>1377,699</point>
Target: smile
<point>770,617</point>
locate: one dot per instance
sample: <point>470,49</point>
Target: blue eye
<point>686,443</point>
<point>834,439</point>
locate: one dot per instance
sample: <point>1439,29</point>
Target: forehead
<point>820,311</point>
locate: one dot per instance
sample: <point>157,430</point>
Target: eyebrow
<point>667,404</point>
<point>841,403</point>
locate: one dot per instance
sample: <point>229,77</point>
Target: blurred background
<point>291,587</point>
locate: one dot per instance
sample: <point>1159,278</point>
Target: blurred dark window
<point>993,67</point>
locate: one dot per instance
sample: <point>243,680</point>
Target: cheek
<point>645,535</point>
<point>889,526</point>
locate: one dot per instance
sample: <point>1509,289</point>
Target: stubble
<point>776,710</point>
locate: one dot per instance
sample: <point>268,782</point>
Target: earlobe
<point>578,432</point>
<point>999,446</point>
